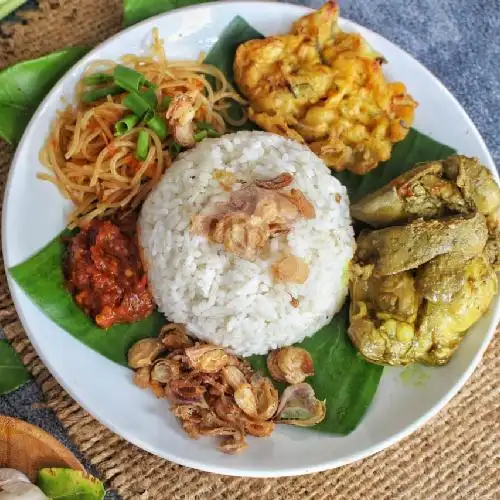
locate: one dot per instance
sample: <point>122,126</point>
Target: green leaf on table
<point>343,378</point>
<point>8,6</point>
<point>13,374</point>
<point>68,484</point>
<point>416,148</point>
<point>138,10</point>
<point>42,279</point>
<point>24,85</point>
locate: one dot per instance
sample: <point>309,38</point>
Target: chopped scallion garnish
<point>128,78</point>
<point>126,124</point>
<point>142,147</point>
<point>97,79</point>
<point>150,96</point>
<point>158,125</point>
<point>141,103</point>
<point>199,136</point>
<point>100,93</point>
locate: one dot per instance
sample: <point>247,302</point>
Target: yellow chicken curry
<point>323,87</point>
<point>417,287</point>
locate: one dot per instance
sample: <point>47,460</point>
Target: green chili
<point>100,93</point>
<point>142,147</point>
<point>98,79</point>
<point>211,132</point>
<point>141,103</point>
<point>165,103</point>
<point>174,149</point>
<point>128,78</point>
<point>199,136</point>
<point>126,124</point>
<point>157,125</point>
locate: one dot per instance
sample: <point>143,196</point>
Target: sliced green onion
<point>150,96</point>
<point>137,104</point>
<point>174,149</point>
<point>165,103</point>
<point>100,93</point>
<point>98,79</point>
<point>149,114</point>
<point>128,78</point>
<point>199,136</point>
<point>141,103</point>
<point>142,147</point>
<point>157,125</point>
<point>211,132</point>
<point>126,124</point>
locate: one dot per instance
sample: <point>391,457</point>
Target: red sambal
<point>105,274</point>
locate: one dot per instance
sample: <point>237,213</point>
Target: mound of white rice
<point>227,300</point>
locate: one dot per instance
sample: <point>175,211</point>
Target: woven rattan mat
<point>455,456</point>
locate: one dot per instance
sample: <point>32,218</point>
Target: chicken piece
<point>393,295</point>
<point>443,325</point>
<point>475,181</point>
<point>492,249</point>
<point>420,192</point>
<point>399,248</point>
<point>445,266</point>
<point>383,312</point>
<point>442,277</point>
<point>455,185</point>
<point>320,86</point>
<point>477,184</point>
<point>391,323</point>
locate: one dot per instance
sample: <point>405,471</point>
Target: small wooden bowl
<point>28,449</point>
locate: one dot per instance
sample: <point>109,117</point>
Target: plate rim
<point>16,292</point>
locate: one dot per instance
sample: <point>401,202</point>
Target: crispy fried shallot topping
<point>252,215</point>
<point>290,364</point>
<point>290,269</point>
<point>214,393</point>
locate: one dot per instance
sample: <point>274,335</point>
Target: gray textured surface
<point>458,40</point>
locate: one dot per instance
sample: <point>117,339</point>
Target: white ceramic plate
<point>34,213</point>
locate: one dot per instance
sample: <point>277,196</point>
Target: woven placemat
<point>455,456</point>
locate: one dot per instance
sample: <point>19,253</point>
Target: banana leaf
<point>8,6</point>
<point>13,374</point>
<point>343,378</point>
<point>138,10</point>
<point>222,55</point>
<point>25,84</point>
<point>41,277</point>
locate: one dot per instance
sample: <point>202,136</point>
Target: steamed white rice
<point>227,300</point>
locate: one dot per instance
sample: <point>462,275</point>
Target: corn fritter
<point>325,88</point>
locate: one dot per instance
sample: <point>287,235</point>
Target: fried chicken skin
<point>325,88</point>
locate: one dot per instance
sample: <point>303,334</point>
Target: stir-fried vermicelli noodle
<point>100,170</point>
